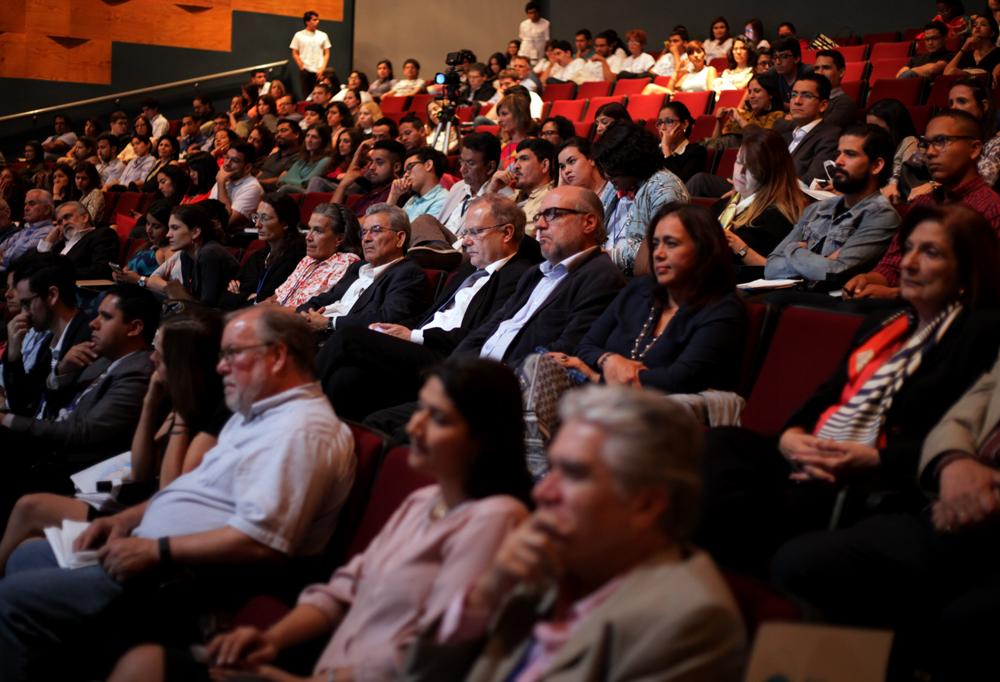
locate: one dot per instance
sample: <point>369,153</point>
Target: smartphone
<point>115,267</point>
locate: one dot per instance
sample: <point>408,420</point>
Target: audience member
<point>35,226</point>
<point>88,185</point>
<point>61,139</point>
<point>159,125</point>
<point>971,95</point>
<point>629,156</point>
<point>236,187</point>
<point>788,67</point>
<point>638,62</point>
<point>385,82</point>
<point>271,488</point>
<point>421,180</point>
<point>533,33</point>
<point>842,110</point>
<point>310,51</point>
<point>133,177</point>
<point>951,13</point>
<point>845,233</point>
<point>157,248</point>
<point>607,115</point>
<point>935,57</point>
<point>609,560</point>
<point>563,66</point>
<point>531,174</point>
<point>411,83</point>
<point>760,108</point>
<point>333,244</point>
<point>173,183</point>
<point>277,222</point>
<point>952,146</point>
<point>287,138</point>
<point>312,162</point>
<point>60,184</point>
<point>477,162</point>
<point>377,164</point>
<point>557,130</point>
<point>88,248</point>
<point>979,53</point>
<point>721,41</point>
<point>739,67</point>
<point>680,156</point>
<point>699,77</point>
<point>577,169</point>
<point>907,167</point>
<point>674,57</point>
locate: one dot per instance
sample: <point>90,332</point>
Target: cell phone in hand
<point>115,267</point>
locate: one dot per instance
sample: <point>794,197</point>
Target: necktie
<point>468,282</point>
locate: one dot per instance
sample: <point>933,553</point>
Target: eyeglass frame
<point>228,354</point>
<point>378,229</point>
<point>559,213</point>
<point>479,232</point>
<point>939,142</point>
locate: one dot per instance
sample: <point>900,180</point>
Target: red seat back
<point>890,50</point>
<point>644,107</point>
<point>492,130</point>
<point>873,39</point>
<point>759,602</point>
<point>629,86</point>
<point>391,104</point>
<point>309,203</point>
<point>854,53</point>
<point>595,104</point>
<point>920,114</point>
<point>720,64</point>
<point>570,108</point>
<point>698,103</point>
<point>730,98</point>
<point>855,71</point>
<point>593,89</point>
<point>726,162</point>
<point>853,89</point>
<point>433,283</point>
<point>885,69</point>
<point>807,346</point>
<point>418,105</point>
<point>467,112</point>
<point>757,316</point>
<point>394,482</point>
<point>554,91</point>
<point>906,90</point>
<point>809,56</point>
<point>704,126</point>
<point>252,248</point>
<point>583,129</point>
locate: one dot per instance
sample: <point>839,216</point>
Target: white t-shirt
<point>640,64</point>
<point>310,45</point>
<point>244,194</point>
<point>533,35</point>
<point>569,72</point>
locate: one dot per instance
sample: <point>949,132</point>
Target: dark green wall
<point>257,39</point>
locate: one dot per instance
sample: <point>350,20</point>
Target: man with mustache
<point>374,166</point>
<point>954,145</point>
<point>532,175</point>
<point>842,234</point>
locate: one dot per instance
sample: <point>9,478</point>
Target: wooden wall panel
<point>32,55</point>
<point>156,22</point>
<point>12,17</point>
<point>76,18</point>
<point>331,10</point>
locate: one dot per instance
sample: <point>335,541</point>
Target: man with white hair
<point>74,235</point>
<point>38,210</point>
<point>600,578</point>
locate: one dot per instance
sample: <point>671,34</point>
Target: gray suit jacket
<point>103,420</point>
<point>963,428</point>
<point>668,620</point>
<point>819,145</point>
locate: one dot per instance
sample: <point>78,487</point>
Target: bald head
<point>570,220</point>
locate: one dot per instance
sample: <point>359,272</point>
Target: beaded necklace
<point>648,325</point>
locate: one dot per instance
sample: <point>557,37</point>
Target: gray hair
<point>398,220</point>
<point>276,324</point>
<point>649,441</point>
<point>45,197</point>
<point>340,215</point>
<point>77,207</point>
<point>504,211</point>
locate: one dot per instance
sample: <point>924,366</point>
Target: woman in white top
<point>700,77</point>
<point>719,44</point>
<point>638,61</point>
<point>740,71</point>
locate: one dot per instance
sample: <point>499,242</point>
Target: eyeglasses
<point>374,229</point>
<point>478,233</point>
<point>784,55</point>
<point>410,166</point>
<point>26,302</point>
<point>939,142</point>
<point>804,95</point>
<point>549,133</point>
<point>555,213</point>
<point>256,218</point>
<point>664,122</point>
<point>227,354</point>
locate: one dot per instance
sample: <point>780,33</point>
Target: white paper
<point>768,284</point>
<point>115,469</point>
<point>62,539</point>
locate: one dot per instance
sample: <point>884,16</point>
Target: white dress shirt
<point>800,133</point>
<point>366,276</point>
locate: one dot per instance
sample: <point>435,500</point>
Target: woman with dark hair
<point>761,108</point>
<point>607,115</point>
<point>514,120</point>
<point>262,140</point>
<point>865,425</point>
<point>739,70</point>
<point>88,184</point>
<point>167,152</point>
<point>720,43</point>
<point>385,82</point>
<point>352,98</point>
<point>313,161</point>
<point>679,329</point>
<point>62,184</point>
<point>767,202</point>
<point>333,244</point>
<point>277,222</point>
<point>202,169</point>
<point>34,162</point>
<point>265,113</point>
<point>629,156</point>
<point>205,266</point>
<point>185,353</point>
<point>979,53</point>
<point>12,190</point>
<point>495,64</point>
<point>754,31</point>
<point>467,438</point>
<point>93,127</point>
<point>891,115</point>
<point>172,184</point>
<point>344,147</point>
<point>699,77</point>
<point>339,118</point>
<point>157,249</point>
<point>577,169</point>
<point>557,130</point>
<point>680,157</point>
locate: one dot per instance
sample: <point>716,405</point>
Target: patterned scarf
<point>860,419</point>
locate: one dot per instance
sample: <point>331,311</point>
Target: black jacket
<point>819,145</point>
<point>91,255</point>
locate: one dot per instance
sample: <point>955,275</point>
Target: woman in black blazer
<point>680,329</point>
<point>277,221</point>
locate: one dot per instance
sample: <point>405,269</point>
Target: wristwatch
<point>742,253</point>
<point>142,282</point>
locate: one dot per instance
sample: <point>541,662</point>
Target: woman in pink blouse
<point>333,243</point>
<point>467,433</point>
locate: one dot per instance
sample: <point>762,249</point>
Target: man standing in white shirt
<point>311,51</point>
<point>235,187</point>
<point>534,32</point>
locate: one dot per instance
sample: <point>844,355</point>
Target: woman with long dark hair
<point>277,222</point>
<point>466,438</point>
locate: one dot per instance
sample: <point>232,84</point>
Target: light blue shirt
<point>496,346</point>
<point>278,474</point>
<point>24,240</point>
<point>431,203</point>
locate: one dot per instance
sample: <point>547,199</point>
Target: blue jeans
<point>42,607</point>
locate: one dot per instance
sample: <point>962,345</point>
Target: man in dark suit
<point>45,288</point>
<point>89,248</point>
<point>101,417</point>
<point>811,142</point>
<point>366,369</point>
<point>386,287</point>
<point>555,303</point>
